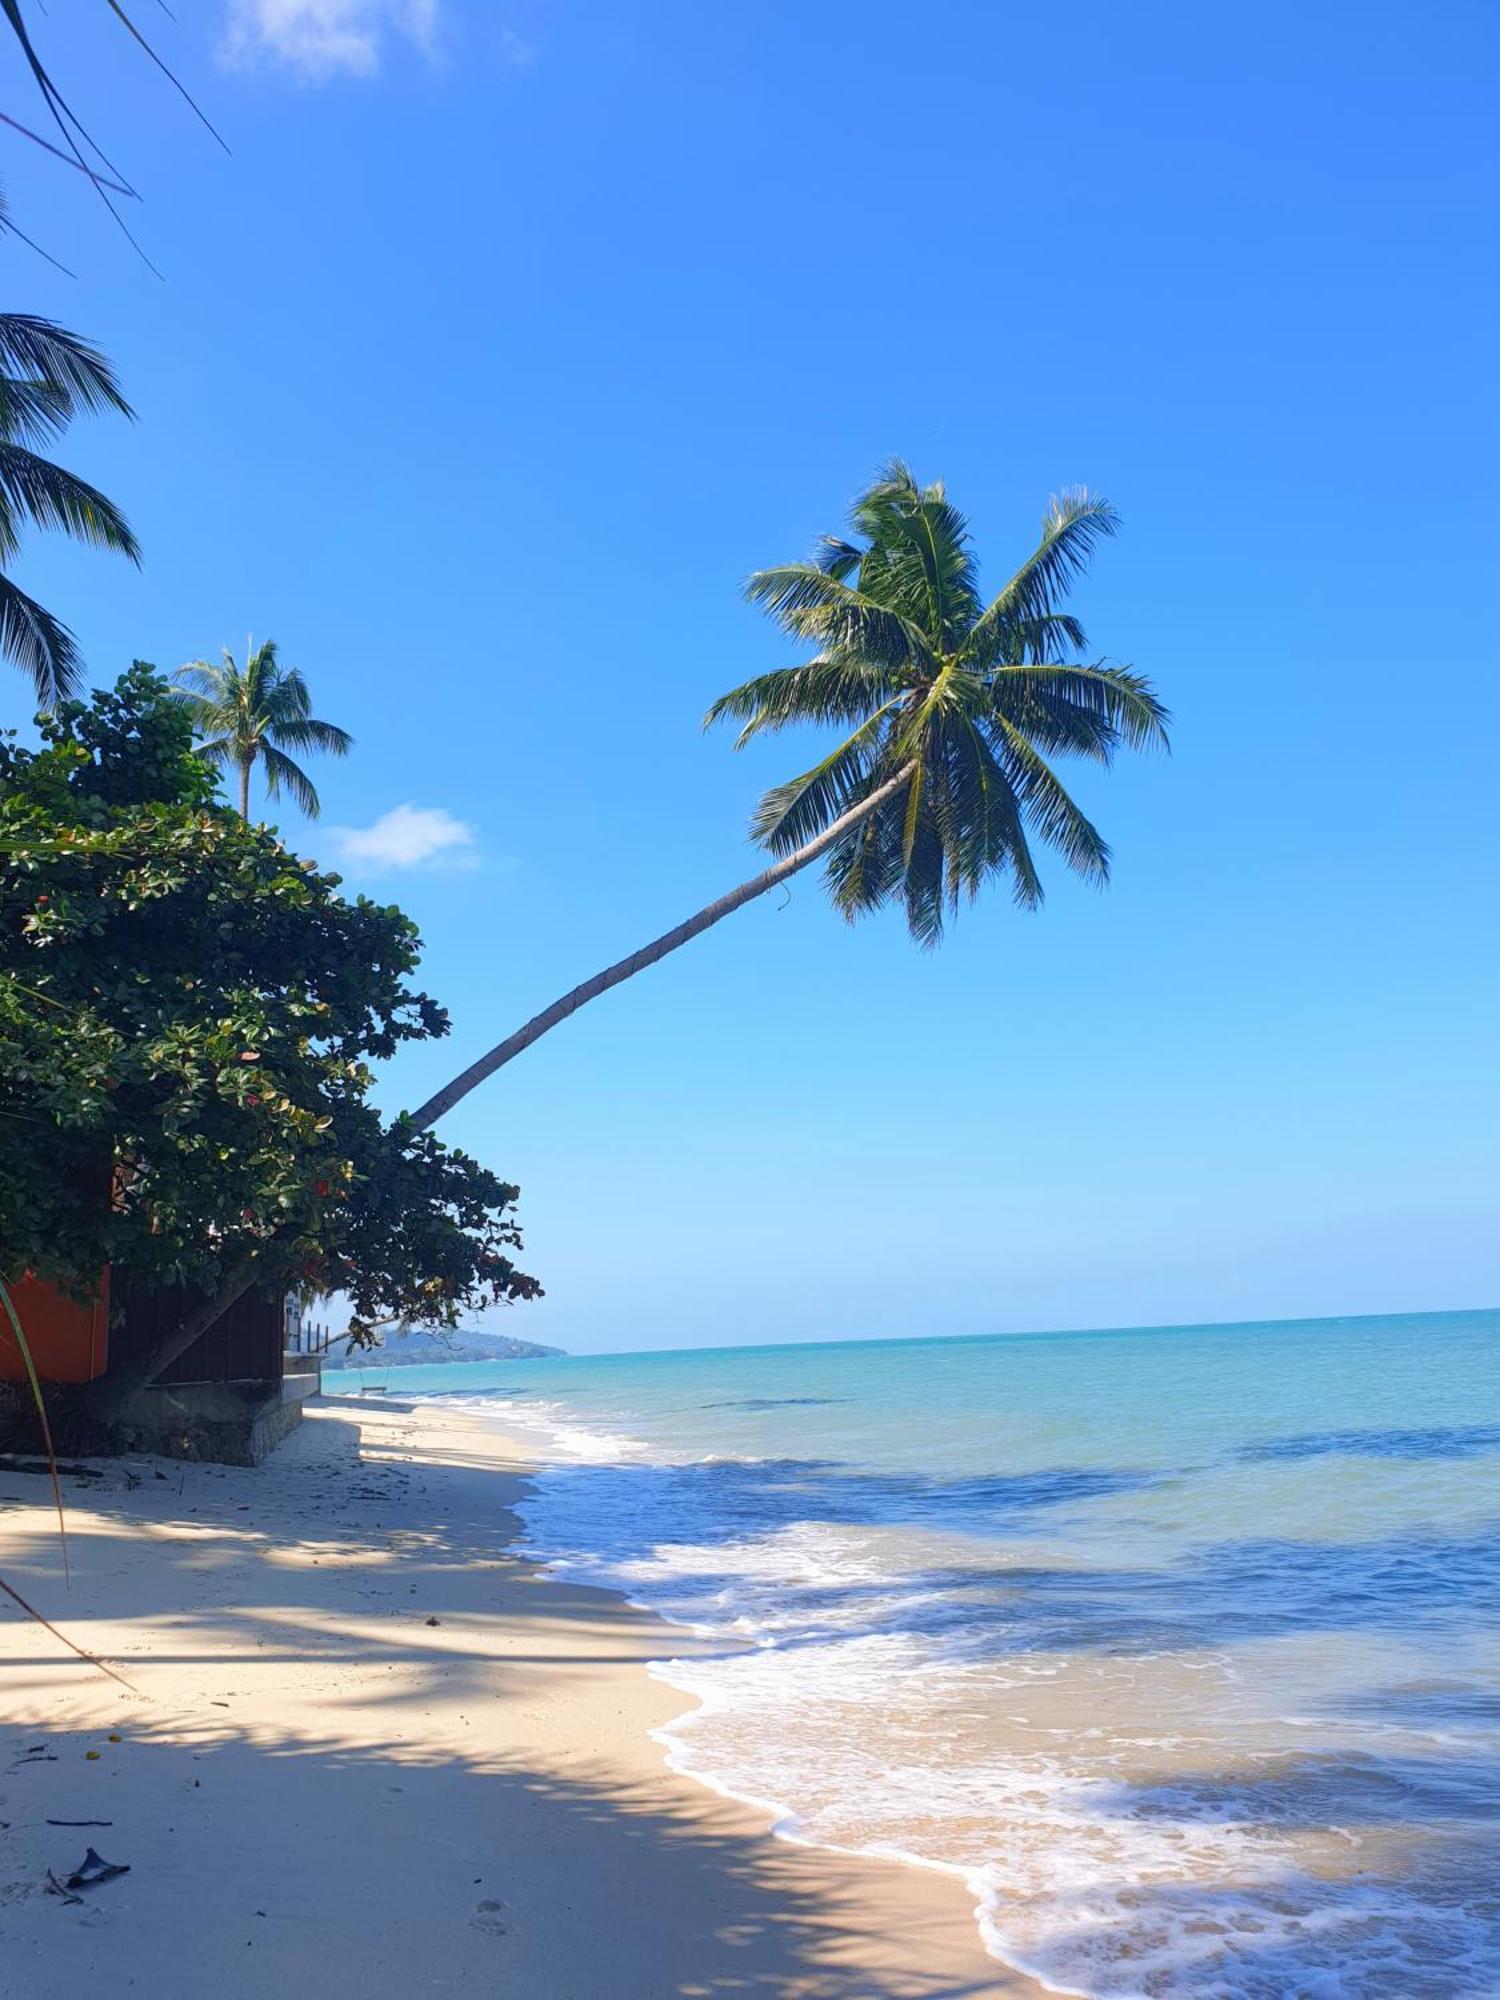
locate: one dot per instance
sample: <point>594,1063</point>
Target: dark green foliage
<point>188,1014</point>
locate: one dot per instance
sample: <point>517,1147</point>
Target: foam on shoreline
<point>838,1694</point>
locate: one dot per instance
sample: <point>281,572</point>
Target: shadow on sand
<point>573,1881</point>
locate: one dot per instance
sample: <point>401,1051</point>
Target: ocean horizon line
<point>1145,1328</point>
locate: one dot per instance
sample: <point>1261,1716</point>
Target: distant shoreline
<point>430,1350</point>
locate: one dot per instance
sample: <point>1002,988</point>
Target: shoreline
<point>373,1748</point>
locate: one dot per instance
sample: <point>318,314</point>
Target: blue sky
<point>510,339</point>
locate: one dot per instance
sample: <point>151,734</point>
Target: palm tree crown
<point>965,702</point>
<point>954,708</point>
<point>48,376</point>
<point>255,714</point>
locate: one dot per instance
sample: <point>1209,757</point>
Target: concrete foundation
<point>225,1423</point>
<point>222,1423</point>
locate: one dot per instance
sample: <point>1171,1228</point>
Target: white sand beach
<point>371,1752</point>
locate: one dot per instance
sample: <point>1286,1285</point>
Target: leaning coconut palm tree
<point>954,708</point>
<point>253,715</point>
<point>48,376</point>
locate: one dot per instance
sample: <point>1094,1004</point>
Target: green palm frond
<point>282,775</point>
<point>311,734</point>
<point>215,749</point>
<point>1006,848</point>
<point>923,881</point>
<point>836,557</point>
<point>48,376</point>
<point>1047,805</point>
<point>919,555</point>
<point>1072,528</point>
<point>1048,641</point>
<point>182,91</point>
<point>865,869</point>
<point>1088,710</point>
<point>39,644</point>
<point>825,691</point>
<point>32,413</point>
<point>795,812</point>
<point>956,705</point>
<point>915,820</point>
<point>808,603</point>
<point>286,690</point>
<point>202,685</point>
<point>48,355</point>
<point>34,490</point>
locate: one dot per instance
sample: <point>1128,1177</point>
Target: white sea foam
<point>557,1434</point>
<point>1133,1819</point>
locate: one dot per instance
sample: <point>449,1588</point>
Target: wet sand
<point>370,1751</point>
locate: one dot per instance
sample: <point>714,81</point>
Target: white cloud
<point>513,51</point>
<point>323,38</point>
<point>407,836</point>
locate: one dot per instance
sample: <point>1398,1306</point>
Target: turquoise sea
<point>1181,1645</point>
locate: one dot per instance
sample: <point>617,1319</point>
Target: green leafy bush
<point>188,1015</point>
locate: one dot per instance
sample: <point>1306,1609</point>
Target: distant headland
<point>422,1350</point>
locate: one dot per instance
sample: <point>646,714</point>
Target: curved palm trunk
<point>245,763</point>
<point>669,941</point>
<point>114,1392</point>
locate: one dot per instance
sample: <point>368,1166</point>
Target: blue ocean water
<point>1180,1645</point>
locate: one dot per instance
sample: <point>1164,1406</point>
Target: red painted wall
<point>68,1342</point>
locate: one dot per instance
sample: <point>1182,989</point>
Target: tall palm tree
<point>47,377</point>
<point>255,714</point>
<point>953,708</point>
